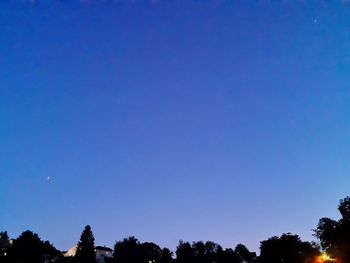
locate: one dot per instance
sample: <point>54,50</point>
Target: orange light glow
<point>323,258</point>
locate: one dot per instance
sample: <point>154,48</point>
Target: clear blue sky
<point>197,120</point>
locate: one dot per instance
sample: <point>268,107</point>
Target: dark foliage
<point>244,253</point>
<point>86,247</point>
<point>127,250</point>
<point>334,235</point>
<point>166,256</point>
<point>207,252</point>
<point>229,256</point>
<point>29,248</point>
<point>131,250</point>
<point>288,249</point>
<point>185,253</point>
<point>4,243</point>
<point>150,252</point>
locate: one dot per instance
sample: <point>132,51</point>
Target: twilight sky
<point>212,120</point>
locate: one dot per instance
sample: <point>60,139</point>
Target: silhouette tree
<point>199,252</point>
<point>229,256</point>
<point>244,253</point>
<point>344,208</point>
<point>185,253</point>
<point>29,248</point>
<point>327,231</point>
<point>166,256</point>
<point>334,235</point>
<point>4,243</point>
<point>150,252</point>
<point>131,250</point>
<point>212,251</point>
<point>288,249</point>
<point>127,251</point>
<point>86,247</point>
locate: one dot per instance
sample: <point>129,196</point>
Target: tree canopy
<point>334,235</point>
<point>29,248</point>
<point>86,247</point>
<point>287,248</point>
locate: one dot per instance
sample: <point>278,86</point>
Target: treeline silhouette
<point>333,237</point>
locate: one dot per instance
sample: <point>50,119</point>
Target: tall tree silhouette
<point>334,235</point>
<point>86,247</point>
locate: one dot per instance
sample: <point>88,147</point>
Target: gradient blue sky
<point>197,120</point>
